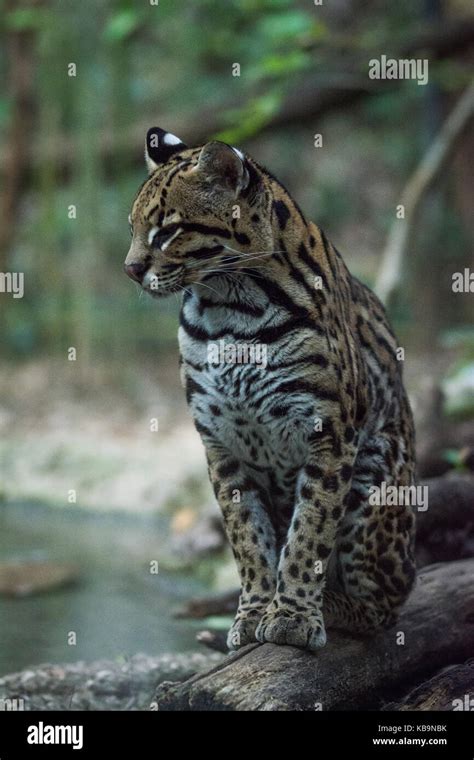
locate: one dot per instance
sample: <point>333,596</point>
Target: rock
<point>25,578</point>
<point>101,685</point>
<point>199,537</point>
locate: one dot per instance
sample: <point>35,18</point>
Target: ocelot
<point>297,443</point>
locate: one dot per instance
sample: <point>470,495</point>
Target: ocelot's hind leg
<point>374,549</point>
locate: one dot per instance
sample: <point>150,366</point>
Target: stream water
<point>117,607</point>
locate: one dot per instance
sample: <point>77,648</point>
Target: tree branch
<point>390,272</point>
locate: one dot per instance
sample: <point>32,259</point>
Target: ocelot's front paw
<point>243,629</point>
<point>296,629</point>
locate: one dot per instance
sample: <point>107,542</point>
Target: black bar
<point>316,734</point>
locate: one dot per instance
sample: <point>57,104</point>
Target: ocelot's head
<point>201,212</point>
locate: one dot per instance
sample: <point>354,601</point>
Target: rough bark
<point>438,625</point>
<point>446,690</point>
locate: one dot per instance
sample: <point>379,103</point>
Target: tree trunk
<point>20,50</point>
<point>435,629</point>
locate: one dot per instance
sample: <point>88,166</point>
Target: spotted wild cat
<point>293,443</point>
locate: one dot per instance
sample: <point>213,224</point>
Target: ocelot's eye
<point>160,237</point>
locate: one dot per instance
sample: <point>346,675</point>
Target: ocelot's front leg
<point>251,536</point>
<point>294,616</point>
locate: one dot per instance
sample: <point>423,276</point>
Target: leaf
<point>453,457</point>
<point>263,5</point>
<point>285,64</point>
<point>121,25</point>
<point>284,26</point>
<point>250,119</point>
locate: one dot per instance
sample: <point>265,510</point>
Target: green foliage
<point>454,458</point>
<point>5,111</point>
<point>25,19</point>
<point>450,75</point>
<point>278,66</point>
<point>285,26</point>
<point>122,24</point>
<point>170,64</point>
<point>249,120</point>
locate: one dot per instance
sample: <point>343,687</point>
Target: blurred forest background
<point>304,70</point>
<point>81,84</point>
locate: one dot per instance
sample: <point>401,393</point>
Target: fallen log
<point>445,532</point>
<point>451,689</point>
<point>439,436</point>
<point>450,504</point>
<point>213,639</point>
<point>435,629</point>
<point>201,607</point>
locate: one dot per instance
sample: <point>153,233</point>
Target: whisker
<point>249,272</point>
<point>237,255</point>
<point>226,274</point>
<point>228,267</point>
<point>207,286</point>
<point>243,254</point>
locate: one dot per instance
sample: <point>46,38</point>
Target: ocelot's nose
<point>135,271</point>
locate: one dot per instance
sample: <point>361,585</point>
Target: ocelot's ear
<point>160,146</point>
<point>222,168</point>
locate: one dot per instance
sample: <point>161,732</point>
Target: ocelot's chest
<point>245,383</point>
<point>247,403</point>
<point>242,406</point>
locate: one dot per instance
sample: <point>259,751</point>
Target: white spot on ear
<point>239,153</point>
<point>152,234</point>
<point>170,139</point>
